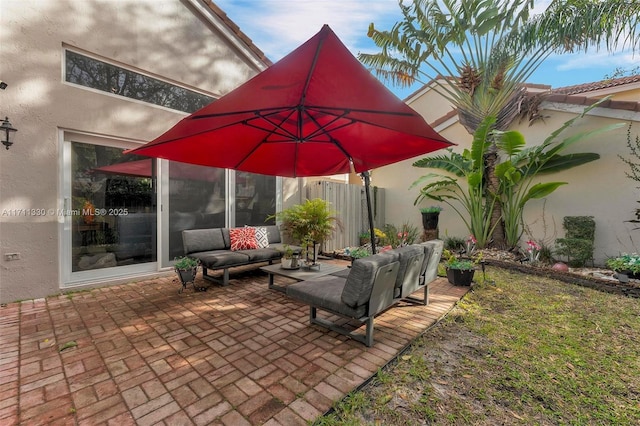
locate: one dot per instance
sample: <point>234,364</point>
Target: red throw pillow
<point>243,238</point>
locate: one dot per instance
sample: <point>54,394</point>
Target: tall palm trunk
<point>498,237</point>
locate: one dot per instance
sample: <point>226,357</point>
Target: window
<point>90,72</point>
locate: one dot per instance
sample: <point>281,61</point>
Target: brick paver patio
<point>143,354</point>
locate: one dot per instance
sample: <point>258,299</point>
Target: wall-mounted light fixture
<point>6,132</point>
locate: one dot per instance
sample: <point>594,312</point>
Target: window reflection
<point>113,208</point>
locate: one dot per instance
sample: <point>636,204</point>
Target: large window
<point>90,72</point>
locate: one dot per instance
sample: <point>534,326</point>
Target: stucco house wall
<point>182,42</point>
<point>599,189</point>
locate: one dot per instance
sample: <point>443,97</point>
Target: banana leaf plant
<point>469,202</point>
<point>521,167</point>
<point>518,172</point>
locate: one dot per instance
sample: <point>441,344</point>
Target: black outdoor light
<point>7,132</point>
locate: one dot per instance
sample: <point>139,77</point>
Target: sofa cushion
<point>357,289</point>
<point>199,240</point>
<point>243,238</point>
<point>218,259</point>
<point>273,234</point>
<point>411,263</point>
<point>324,292</point>
<point>433,253</point>
<point>261,254</point>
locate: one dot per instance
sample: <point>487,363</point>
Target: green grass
<point>528,350</point>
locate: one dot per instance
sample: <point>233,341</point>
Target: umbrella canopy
<point>316,112</point>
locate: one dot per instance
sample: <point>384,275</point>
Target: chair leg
<point>369,335</point>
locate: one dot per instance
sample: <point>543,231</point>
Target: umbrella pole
<point>372,235</point>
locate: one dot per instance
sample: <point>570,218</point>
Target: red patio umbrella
<point>316,112</point>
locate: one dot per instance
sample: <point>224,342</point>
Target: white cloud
<point>279,26</point>
<point>596,60</point>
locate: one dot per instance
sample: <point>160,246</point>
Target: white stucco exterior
<point>182,42</point>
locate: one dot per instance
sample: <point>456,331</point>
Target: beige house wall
<point>181,42</point>
<point>599,189</point>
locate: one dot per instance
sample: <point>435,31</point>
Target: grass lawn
<point>527,350</point>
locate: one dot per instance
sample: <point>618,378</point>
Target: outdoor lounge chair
<point>367,291</point>
<point>428,273</point>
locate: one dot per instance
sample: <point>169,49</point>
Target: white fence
<point>351,205</point>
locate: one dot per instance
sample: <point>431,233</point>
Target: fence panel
<point>350,203</point>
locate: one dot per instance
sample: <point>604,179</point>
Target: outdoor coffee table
<point>300,274</point>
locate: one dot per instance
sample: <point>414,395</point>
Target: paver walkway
<point>142,354</point>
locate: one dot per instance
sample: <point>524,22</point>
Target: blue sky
<point>279,26</point>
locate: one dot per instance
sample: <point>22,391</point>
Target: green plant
<point>451,261</point>
<point>431,209</point>
<point>186,262</point>
<point>578,243</point>
<point>625,262</point>
<point>359,252</point>
<point>310,222</point>
<point>454,243</point>
<point>288,251</point>
<point>397,237</point>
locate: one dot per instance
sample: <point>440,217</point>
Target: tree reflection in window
<point>90,72</point>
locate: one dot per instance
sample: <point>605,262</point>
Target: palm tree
<point>478,53</point>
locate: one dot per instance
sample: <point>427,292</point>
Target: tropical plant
<point>489,48</point>
<point>469,201</point>
<point>518,167</point>
<point>479,53</point>
<point>517,170</point>
<point>310,222</point>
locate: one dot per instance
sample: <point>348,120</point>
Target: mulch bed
<point>630,289</point>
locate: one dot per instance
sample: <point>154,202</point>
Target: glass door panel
<point>255,198</point>
<point>113,202</point>
<point>196,200</point>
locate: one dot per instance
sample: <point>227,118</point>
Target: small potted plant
<point>430,216</point>
<point>459,271</point>
<point>186,267</point>
<point>289,258</point>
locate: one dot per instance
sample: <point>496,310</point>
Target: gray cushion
<point>273,233</point>
<point>199,240</point>
<point>261,254</point>
<point>433,253</point>
<point>324,292</point>
<point>411,263</point>
<point>357,289</point>
<point>221,258</point>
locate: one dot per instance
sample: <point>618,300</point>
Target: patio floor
<point>143,354</point>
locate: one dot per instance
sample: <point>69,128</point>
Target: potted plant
<point>309,223</point>
<point>430,216</point>
<point>460,271</point>
<point>186,267</point>
<point>289,258</point>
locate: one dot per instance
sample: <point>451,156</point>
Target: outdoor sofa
<point>372,285</point>
<point>216,248</point>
